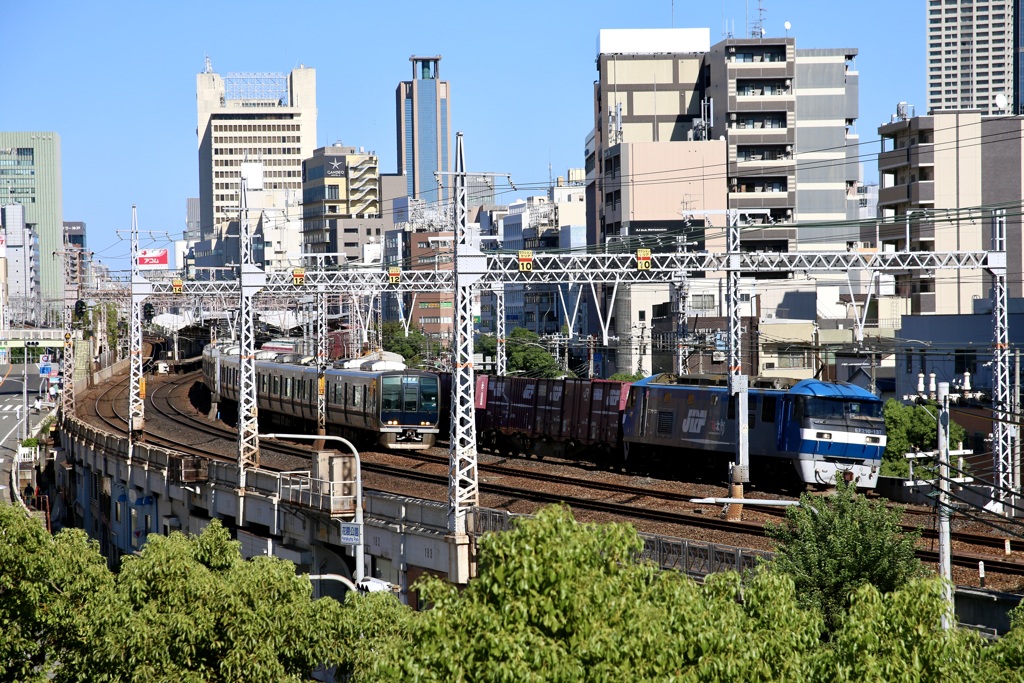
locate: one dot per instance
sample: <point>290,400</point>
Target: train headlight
<point>824,435</point>
<point>873,439</point>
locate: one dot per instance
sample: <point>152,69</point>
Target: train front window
<point>391,393</point>
<point>825,408</point>
<point>864,408</point>
<point>411,391</point>
<point>428,393</point>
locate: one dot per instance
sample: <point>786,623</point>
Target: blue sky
<point>116,80</point>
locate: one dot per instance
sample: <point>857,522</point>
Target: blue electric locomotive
<point>826,429</point>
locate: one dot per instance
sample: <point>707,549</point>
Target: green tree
<point>832,545</point>
<point>44,583</point>
<point>559,601</point>
<point>184,609</point>
<point>898,636</point>
<point>410,348</point>
<point>486,344</point>
<point>526,355</point>
<point>909,428</point>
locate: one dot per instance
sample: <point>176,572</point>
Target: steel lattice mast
<point>463,485</point>
<point>72,292</point>
<point>141,288</point>
<point>252,280</point>
<point>740,473</point>
<point>321,360</point>
<point>1002,447</point>
<point>499,329</point>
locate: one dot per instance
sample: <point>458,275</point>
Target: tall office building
<point>974,55</point>
<point>254,117</point>
<point>30,175</point>
<point>424,134</point>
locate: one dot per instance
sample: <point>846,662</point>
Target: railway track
<point>983,540</point>
<point>161,399</point>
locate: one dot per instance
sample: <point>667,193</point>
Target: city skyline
<point>127,123</point>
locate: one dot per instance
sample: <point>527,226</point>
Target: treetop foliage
<point>554,600</point>
<point>832,545</point>
<point>912,427</point>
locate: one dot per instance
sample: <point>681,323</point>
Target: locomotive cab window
<point>768,409</point>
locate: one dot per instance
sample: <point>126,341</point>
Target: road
<point>11,400</point>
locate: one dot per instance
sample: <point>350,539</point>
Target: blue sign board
<point>351,534</point>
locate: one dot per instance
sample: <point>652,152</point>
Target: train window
<point>391,393</point>
<point>864,408</point>
<point>768,409</point>
<point>287,387</point>
<point>276,387</point>
<point>632,398</point>
<point>411,393</point>
<point>356,391</point>
<point>731,410</point>
<point>428,393</point>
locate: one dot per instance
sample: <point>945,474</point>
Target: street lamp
<point>359,487</point>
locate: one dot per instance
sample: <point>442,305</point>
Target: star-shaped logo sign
<point>335,165</point>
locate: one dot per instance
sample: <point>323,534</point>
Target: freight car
<point>550,417</point>
<point>376,401</point>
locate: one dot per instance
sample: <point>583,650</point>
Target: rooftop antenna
<point>758,30</point>
<point>208,69</point>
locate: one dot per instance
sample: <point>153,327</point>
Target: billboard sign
<point>153,258</point>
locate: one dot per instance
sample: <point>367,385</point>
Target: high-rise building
<point>346,202</point>
<point>424,134</point>
<point>21,249</point>
<point>252,117</point>
<point>686,132</point>
<point>974,55</point>
<point>30,175</point>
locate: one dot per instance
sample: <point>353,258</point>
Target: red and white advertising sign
<point>153,258</point>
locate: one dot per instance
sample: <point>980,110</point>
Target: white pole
<point>359,549</point>
<point>945,559</point>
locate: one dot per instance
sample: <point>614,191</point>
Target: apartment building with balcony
<point>346,202</point>
<point>929,167</point>
<point>751,85</point>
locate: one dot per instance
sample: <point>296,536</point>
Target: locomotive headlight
<point>825,435</point>
<point>873,439</point>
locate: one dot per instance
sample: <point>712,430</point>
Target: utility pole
<point>945,557</point>
<point>944,505</point>
<point>590,356</point>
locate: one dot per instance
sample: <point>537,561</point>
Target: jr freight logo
<point>695,421</point>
